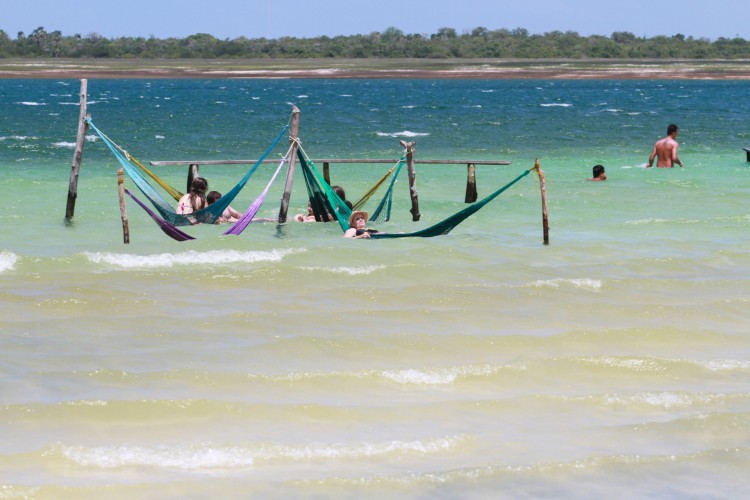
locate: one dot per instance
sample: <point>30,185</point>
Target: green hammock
<point>325,202</point>
<point>207,215</point>
<point>323,199</point>
<point>446,226</point>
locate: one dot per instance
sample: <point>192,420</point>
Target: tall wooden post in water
<point>543,188</point>
<point>471,184</point>
<point>293,135</point>
<point>415,215</point>
<point>123,210</point>
<point>77,154</point>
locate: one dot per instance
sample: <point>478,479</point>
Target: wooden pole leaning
<point>193,172</point>
<point>410,146</point>
<point>543,188</point>
<point>293,138</point>
<point>123,210</point>
<point>77,154</point>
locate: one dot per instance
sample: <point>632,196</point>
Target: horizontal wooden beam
<point>330,160</point>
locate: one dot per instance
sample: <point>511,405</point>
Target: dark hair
<point>339,191</point>
<point>672,128</point>
<point>597,170</point>
<point>199,186</point>
<point>212,197</point>
<point>198,193</point>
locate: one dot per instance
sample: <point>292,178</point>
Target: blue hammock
<point>206,215</point>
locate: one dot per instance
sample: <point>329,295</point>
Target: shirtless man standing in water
<point>666,150</point>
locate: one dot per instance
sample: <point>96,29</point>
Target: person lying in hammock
<point>357,226</point>
<point>229,214</point>
<point>310,217</point>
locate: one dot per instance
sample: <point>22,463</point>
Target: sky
<point>228,19</point>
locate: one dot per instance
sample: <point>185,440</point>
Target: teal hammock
<point>325,201</point>
<point>207,215</point>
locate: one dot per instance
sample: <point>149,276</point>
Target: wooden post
<point>415,215</point>
<point>293,135</point>
<point>193,172</point>
<point>77,154</point>
<point>471,184</point>
<point>123,211</point>
<point>543,187</point>
<point>327,172</point>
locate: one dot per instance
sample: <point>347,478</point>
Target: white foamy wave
<point>635,364</point>
<point>556,105</point>
<point>658,399</point>
<point>719,365</point>
<point>209,456</point>
<point>18,138</point>
<point>421,377</point>
<point>646,221</point>
<point>354,271</point>
<point>31,103</point>
<point>671,221</point>
<point>586,283</point>
<point>362,450</point>
<point>130,261</point>
<point>7,261</point>
<point>439,376</point>
<point>64,144</point>
<point>403,133</point>
<point>182,457</point>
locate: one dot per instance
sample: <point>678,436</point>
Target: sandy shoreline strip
<point>376,69</point>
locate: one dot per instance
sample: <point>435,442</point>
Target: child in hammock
<point>229,214</point>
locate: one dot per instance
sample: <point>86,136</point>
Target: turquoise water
<point>289,362</point>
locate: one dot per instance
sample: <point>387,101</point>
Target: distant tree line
<point>391,43</point>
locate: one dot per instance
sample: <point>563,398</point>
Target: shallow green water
<point>290,362</point>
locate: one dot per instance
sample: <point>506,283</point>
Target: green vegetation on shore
<point>479,43</point>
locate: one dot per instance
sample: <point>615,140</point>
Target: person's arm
<point>234,213</point>
<point>675,158</point>
<point>651,157</point>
